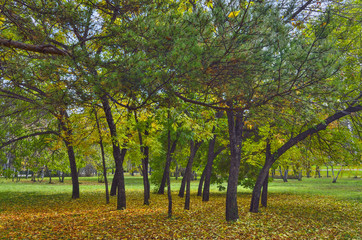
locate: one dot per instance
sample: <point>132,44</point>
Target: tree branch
<point>45,49</point>
<point>27,136</point>
<point>298,11</point>
<point>319,127</point>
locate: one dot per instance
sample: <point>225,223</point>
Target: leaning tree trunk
<point>193,149</point>
<point>166,170</point>
<point>208,168</point>
<point>118,155</point>
<point>73,170</point>
<point>264,194</point>
<point>254,205</point>
<point>211,155</point>
<point>201,183</point>
<point>235,124</point>
<point>183,184</point>
<point>63,121</point>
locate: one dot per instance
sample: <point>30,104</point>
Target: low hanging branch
<point>26,136</point>
<point>321,126</point>
<point>45,49</point>
<point>271,158</point>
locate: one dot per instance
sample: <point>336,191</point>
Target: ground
<point>45,211</point>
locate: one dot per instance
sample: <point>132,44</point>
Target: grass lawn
<point>309,209</point>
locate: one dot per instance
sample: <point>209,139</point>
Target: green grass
<point>345,188</point>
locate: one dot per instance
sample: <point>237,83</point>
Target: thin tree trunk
<point>211,155</point>
<point>208,168</point>
<point>282,175</point>
<point>146,183</point>
<point>170,151</point>
<point>169,197</point>
<point>103,158</point>
<point>327,172</point>
<point>264,194</point>
<point>201,183</point>
<point>336,177</point>
<point>145,153</point>
<point>183,184</point>
<point>50,175</point>
<point>193,149</point>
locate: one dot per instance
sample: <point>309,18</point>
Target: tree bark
<point>103,158</point>
<point>170,151</point>
<point>113,191</point>
<point>208,168</point>
<point>118,155</point>
<point>45,49</point>
<point>193,149</point>
<point>145,153</point>
<point>183,185</point>
<point>264,194</point>
<point>169,196</point>
<point>146,183</point>
<point>63,121</point>
<point>201,183</point>
<point>235,124</point>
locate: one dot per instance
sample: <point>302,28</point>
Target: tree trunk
<point>208,168</point>
<point>264,193</point>
<point>146,183</point>
<point>145,153</point>
<point>327,172</point>
<point>113,191</point>
<point>183,184</point>
<point>201,183</point>
<point>300,175</point>
<point>118,155</point>
<point>335,177</point>
<point>169,197</point>
<point>283,176</point>
<point>193,149</point>
<point>63,121</point>
<point>50,175</point>
<point>73,170</point>
<point>235,124</point>
<point>103,158</point>
<point>170,151</point>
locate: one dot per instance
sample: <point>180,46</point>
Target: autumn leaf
<point>234,14</point>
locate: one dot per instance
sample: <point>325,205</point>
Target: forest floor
<point>310,209</point>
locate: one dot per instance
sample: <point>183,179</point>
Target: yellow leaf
<point>209,4</point>
<point>234,14</point>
